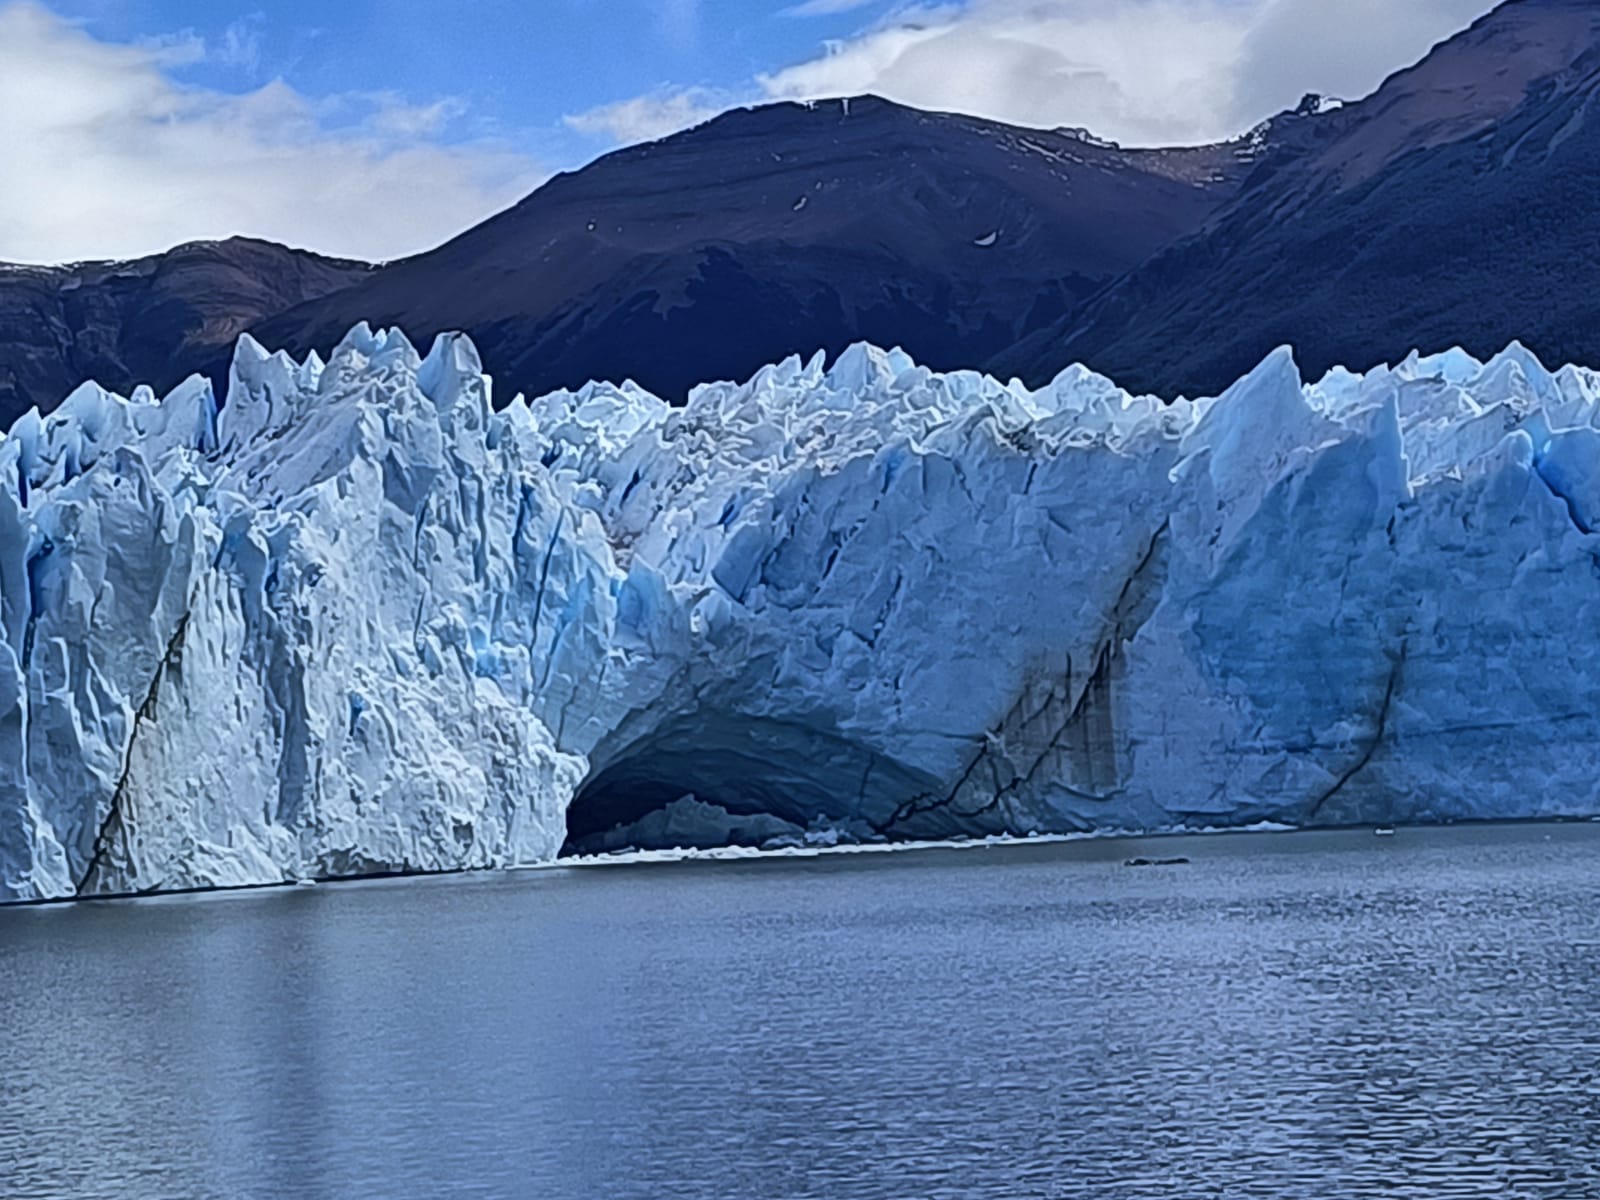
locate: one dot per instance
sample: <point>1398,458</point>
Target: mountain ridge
<point>1469,232</point>
<point>1450,205</point>
<point>822,225</point>
<point>152,320</point>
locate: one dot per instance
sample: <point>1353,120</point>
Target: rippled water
<point>1286,1016</point>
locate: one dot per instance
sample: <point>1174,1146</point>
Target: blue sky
<point>520,67</point>
<point>378,128</point>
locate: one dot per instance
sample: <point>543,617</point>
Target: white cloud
<point>389,114</point>
<point>1344,49</point>
<point>646,118</point>
<point>1140,71</point>
<point>1145,72</point>
<point>240,45</point>
<point>106,156</point>
<point>825,8</point>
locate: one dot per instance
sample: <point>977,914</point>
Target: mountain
<point>148,321</point>
<point>355,622</point>
<point>789,228</point>
<point>1452,205</point>
<point>1455,204</point>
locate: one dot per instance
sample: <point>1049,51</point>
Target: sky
<point>380,128</point>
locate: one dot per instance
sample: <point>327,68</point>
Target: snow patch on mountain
<point>356,621</point>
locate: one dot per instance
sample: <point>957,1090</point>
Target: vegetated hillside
<point>152,320</point>
<point>1454,205</point>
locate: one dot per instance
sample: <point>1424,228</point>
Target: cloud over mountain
<point>110,155</point>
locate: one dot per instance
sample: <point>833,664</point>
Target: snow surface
<point>355,621</point>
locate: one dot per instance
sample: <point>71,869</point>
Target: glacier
<point>355,620</point>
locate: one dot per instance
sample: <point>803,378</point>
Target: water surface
<point>1291,1016</point>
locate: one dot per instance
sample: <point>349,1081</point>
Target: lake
<point>1287,1015</point>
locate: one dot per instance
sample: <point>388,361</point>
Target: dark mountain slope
<point>784,229</point>
<point>1454,205</point>
<point>152,320</point>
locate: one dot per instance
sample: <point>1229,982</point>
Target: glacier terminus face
<point>356,621</point>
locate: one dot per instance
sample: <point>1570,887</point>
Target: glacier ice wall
<point>356,621</point>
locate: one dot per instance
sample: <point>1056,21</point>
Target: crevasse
<point>356,621</point>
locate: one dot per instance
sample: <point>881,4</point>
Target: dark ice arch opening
<point>751,768</point>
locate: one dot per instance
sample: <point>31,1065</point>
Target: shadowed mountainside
<point>152,320</point>
<point>790,228</point>
<point>1454,205</point>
